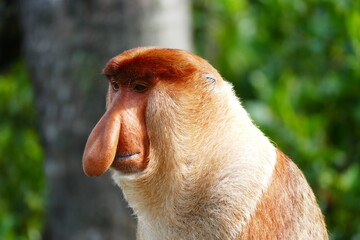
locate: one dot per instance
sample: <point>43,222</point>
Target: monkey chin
<point>129,164</point>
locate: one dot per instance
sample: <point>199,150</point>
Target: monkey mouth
<point>126,156</point>
<point>129,162</point>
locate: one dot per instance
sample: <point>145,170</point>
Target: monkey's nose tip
<point>92,171</point>
<point>93,167</point>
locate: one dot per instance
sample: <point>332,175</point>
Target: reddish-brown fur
<point>153,64</point>
<point>277,214</point>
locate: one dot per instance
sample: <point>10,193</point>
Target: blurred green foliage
<point>22,177</point>
<point>296,66</point>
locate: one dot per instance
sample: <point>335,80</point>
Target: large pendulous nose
<point>100,148</point>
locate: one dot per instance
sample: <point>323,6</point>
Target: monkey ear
<point>210,78</point>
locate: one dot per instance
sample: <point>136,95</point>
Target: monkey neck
<point>202,190</point>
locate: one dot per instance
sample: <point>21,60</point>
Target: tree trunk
<point>66,44</point>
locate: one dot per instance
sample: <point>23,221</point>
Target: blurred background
<point>295,64</point>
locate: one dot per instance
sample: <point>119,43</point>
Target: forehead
<point>150,63</point>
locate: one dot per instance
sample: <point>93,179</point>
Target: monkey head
<point>137,79</point>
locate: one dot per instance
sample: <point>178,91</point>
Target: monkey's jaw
<point>129,163</point>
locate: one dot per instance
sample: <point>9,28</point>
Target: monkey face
<point>120,140</point>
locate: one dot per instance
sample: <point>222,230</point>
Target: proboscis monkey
<point>188,158</point>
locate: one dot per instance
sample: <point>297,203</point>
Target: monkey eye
<point>140,88</point>
<point>115,86</point>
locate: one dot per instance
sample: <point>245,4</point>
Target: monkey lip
<point>126,156</point>
<point>129,162</point>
